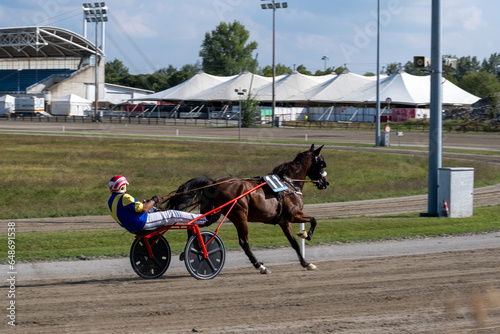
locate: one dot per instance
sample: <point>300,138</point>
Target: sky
<point>148,35</point>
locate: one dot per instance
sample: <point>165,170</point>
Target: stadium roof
<point>44,42</point>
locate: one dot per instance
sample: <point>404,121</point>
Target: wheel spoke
<point>212,251</point>
<point>195,251</point>
<point>210,263</point>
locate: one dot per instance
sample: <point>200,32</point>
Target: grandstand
<point>48,62</point>
<point>17,81</point>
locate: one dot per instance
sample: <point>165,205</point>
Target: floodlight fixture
<point>325,58</point>
<point>96,12</point>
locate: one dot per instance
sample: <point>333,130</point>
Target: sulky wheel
<point>200,267</point>
<point>145,266</point>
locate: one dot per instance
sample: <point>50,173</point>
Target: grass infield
<point>42,176</point>
<point>73,245</point>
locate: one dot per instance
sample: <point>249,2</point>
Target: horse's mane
<point>290,168</point>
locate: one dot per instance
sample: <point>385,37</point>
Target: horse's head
<point>317,171</point>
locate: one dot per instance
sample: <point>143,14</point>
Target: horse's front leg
<point>288,231</point>
<point>303,218</point>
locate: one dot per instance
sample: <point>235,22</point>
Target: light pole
<point>240,93</point>
<point>377,118</point>
<point>96,12</point>
<point>325,58</point>
<point>435,129</point>
<point>273,5</point>
<point>18,82</point>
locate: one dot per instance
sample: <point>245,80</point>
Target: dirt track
<point>443,292</point>
<point>455,292</point>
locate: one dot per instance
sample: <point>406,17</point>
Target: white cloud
<point>171,32</point>
<point>472,18</point>
<point>136,26</point>
<point>460,14</point>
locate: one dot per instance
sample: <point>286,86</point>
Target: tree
<point>280,69</point>
<point>341,69</point>
<point>303,70</point>
<point>393,68</point>
<point>451,78</point>
<point>225,50</point>
<point>493,108</point>
<point>250,111</point>
<point>492,65</point>
<point>481,84</point>
<point>168,71</point>
<point>329,70</point>
<point>176,77</point>
<point>191,69</point>
<point>136,81</point>
<point>465,65</point>
<point>157,81</point>
<point>115,71</point>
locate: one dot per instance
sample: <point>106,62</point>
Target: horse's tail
<point>197,190</point>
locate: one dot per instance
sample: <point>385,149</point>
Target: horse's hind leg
<point>288,231</point>
<point>242,228</point>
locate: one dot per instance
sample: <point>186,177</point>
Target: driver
<point>135,216</point>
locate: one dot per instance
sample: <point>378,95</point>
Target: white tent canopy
<point>185,91</point>
<point>288,86</point>
<point>226,91</point>
<point>346,88</point>
<point>404,88</point>
<point>7,104</point>
<point>70,105</point>
<point>335,88</point>
<point>453,94</point>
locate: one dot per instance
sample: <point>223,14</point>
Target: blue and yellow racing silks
<point>127,211</point>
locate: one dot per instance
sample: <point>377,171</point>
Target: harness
<point>278,186</point>
<point>279,210</point>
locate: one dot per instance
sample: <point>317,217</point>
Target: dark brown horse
<point>263,204</point>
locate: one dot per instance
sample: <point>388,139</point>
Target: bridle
<point>319,165</point>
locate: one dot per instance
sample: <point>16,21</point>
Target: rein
<point>188,191</point>
<point>295,180</point>
<point>162,198</point>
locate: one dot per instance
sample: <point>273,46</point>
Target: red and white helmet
<point>118,184</point>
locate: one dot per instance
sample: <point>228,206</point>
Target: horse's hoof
<point>264,270</point>
<point>302,234</point>
<point>311,267</point>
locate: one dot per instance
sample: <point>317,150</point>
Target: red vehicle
<point>204,254</point>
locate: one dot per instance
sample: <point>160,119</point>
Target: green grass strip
<point>72,245</point>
